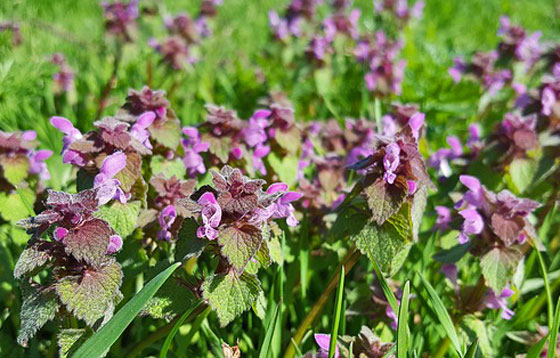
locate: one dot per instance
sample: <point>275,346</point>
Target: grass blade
<point>389,295</point>
<point>535,351</point>
<point>265,347</point>
<point>442,315</point>
<point>175,329</point>
<point>102,340</point>
<point>550,303</point>
<point>553,332</point>
<point>472,349</point>
<point>337,313</point>
<point>215,342</point>
<point>402,329</point>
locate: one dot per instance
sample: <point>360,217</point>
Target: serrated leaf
<point>170,300</point>
<point>169,168</point>
<point>388,245</point>
<point>384,200</point>
<point>38,307</point>
<point>220,147</point>
<point>89,241</point>
<point>15,169</point>
<point>275,249</point>
<point>92,295</point>
<point>290,139</point>
<point>498,267</point>
<point>259,306</point>
<point>240,244</point>
<point>188,244</point>
<point>167,134</point>
<point>30,259</point>
<point>121,217</point>
<point>230,294</point>
<point>130,173</point>
<point>69,339</point>
<point>522,172</point>
<point>12,206</point>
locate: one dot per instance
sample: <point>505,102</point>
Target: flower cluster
<point>14,28</point>
<point>120,18</point>
<point>64,78</point>
<point>19,159</point>
<point>400,8</point>
<point>77,248</point>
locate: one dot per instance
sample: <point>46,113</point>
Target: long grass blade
<point>338,312</point>
<point>265,347</point>
<point>535,351</point>
<point>550,303</point>
<point>389,295</point>
<point>472,349</point>
<point>442,315</point>
<point>102,340</point>
<point>402,329</point>
<point>553,332</point>
<point>175,329</point>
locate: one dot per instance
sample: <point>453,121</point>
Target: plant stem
<point>348,262</point>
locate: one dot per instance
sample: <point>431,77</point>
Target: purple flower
<point>115,244</point>
<point>459,67</point>
<point>37,163</point>
<point>443,218</point>
<point>60,233</point>
<point>211,213</point>
<point>474,196</point>
<point>139,130</point>
<point>108,188</point>
<point>282,208</point>
<point>389,126</point>
<point>416,122</point>
<point>324,342</point>
<point>166,219</point>
<point>391,162</point>
<point>260,152</point>
<point>474,136</point>
<point>29,136</point>
<point>319,47</point>
<point>472,225</point>
<point>450,271</point>
<point>193,147</point>
<point>392,316</point>
<point>499,302</point>
<point>71,134</point>
<point>548,100</point>
<point>255,133</point>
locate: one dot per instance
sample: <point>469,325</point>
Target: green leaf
<point>169,168</point>
<point>498,267</point>
<point>536,349</point>
<point>442,314</point>
<point>240,244</point>
<point>13,207</point>
<point>403,338</point>
<point>480,331</point>
<point>69,340</point>
<point>171,299</point>
<point>89,241</point>
<point>522,172</point>
<point>388,245</point>
<point>188,244</point>
<point>230,294</point>
<point>290,140</point>
<point>220,147</point>
<point>175,329</point>
<point>384,200</point>
<point>338,312</point>
<point>167,134</point>
<point>286,167</point>
<point>92,295</point>
<point>16,168</point>
<point>39,306</point>
<point>102,340</point>
<point>30,260</point>
<point>453,254</point>
<point>472,349</point>
<point>121,217</point>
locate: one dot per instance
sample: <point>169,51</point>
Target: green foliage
<point>121,217</point>
<point>12,205</point>
<point>168,168</point>
<point>240,244</point>
<point>38,307</point>
<point>498,267</point>
<point>231,294</point>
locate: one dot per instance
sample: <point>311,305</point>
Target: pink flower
<point>193,146</point>
<point>443,218</point>
<point>211,216</point>
<point>324,341</point>
<point>472,225</point>
<point>108,188</point>
<point>260,152</point>
<point>115,244</point>
<point>139,130</point>
<point>282,208</point>
<point>71,134</point>
<point>166,219</point>
<point>499,302</point>
<point>391,162</point>
<point>37,163</point>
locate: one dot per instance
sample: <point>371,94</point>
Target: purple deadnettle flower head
<point>458,69</point>
<point>37,163</point>
<point>282,207</point>
<point>450,271</point>
<point>211,214</point>
<point>193,146</point>
<point>108,188</point>
<point>115,244</point>
<point>391,162</point>
<point>139,130</point>
<point>71,134</point>
<point>443,218</point>
<point>416,122</point>
<point>260,152</point>
<point>500,302</point>
<point>472,225</point>
<point>255,132</point>
<point>166,219</point>
<point>389,126</point>
<point>324,341</point>
<point>548,100</point>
